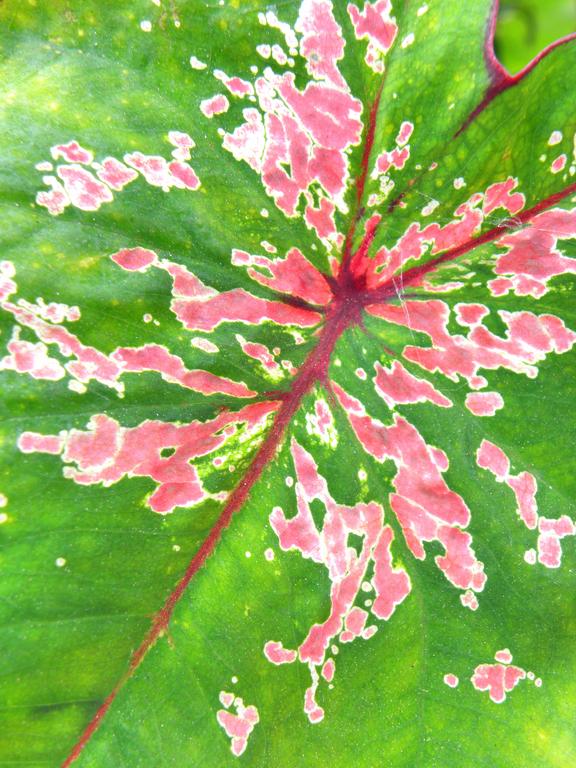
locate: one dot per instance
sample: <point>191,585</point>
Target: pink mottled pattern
<point>346,568</point>
<point>497,679</point>
<point>426,508</point>
<point>239,726</point>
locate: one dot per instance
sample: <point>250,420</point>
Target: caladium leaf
<point>288,331</point>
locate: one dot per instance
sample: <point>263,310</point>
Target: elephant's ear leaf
<point>287,370</point>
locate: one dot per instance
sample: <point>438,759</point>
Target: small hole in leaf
<point>167,452</point>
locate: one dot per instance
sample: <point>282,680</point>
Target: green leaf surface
<point>526,27</point>
<point>287,379</point>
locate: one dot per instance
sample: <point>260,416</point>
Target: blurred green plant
<point>525,27</point>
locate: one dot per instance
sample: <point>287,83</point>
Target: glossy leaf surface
<point>288,325</point>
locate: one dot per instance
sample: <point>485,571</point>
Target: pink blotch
<point>501,195</point>
<point>226,699</point>
<point>484,403</point>
<point>183,143</point>
<point>323,418</point>
<point>277,654</point>
<point>346,568</point>
<point>83,189</point>
<point>439,458</point>
<point>185,285</point>
<point>184,175</point>
<point>314,712</point>
<point>383,162</point>
<point>302,135</point>
<point>72,153</point>
<point>426,508</point>
<point>115,174</point>
<point>528,340</point>
<point>293,275</point>
<point>94,449</point>
<point>7,285</point>
<point>470,314</point>
<point>216,105</point>
<point>54,200</point>
<point>33,359</point>
<point>238,727</point>
<point>503,656</point>
<point>262,354</point>
<point>329,546</point>
<point>380,268</point>
<point>321,219</point>
<point>530,556</point>
<point>559,164</point>
<point>354,624</point>
<point>56,312</point>
<point>500,286</point>
<point>235,85</point>
<point>451,680</point>
<point>374,23</point>
<point>153,168</point>
<point>396,386</point>
<point>550,533</point>
<point>107,452</point>
<point>239,306</point>
<point>404,133</point>
<point>399,157</point>
<point>331,116</point>
<point>321,44</point>
<point>391,585</point>
<point>134,259</point>
<point>328,670</point>
<point>247,141</point>
<point>524,485</point>
<point>497,679</point>
<point>154,357</point>
<point>492,458</point>
<point>33,442</point>
<point>532,256</point>
<point>159,172</point>
<point>469,600</point>
<point>89,363</point>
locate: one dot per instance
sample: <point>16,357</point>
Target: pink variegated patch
<point>375,24</point>
<point>346,569</point>
<point>77,186</point>
<point>532,256</point>
<point>163,452</point>
<point>215,105</point>
<point>297,140</point>
<point>424,505</point>
<point>239,726</point>
<point>498,679</point>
